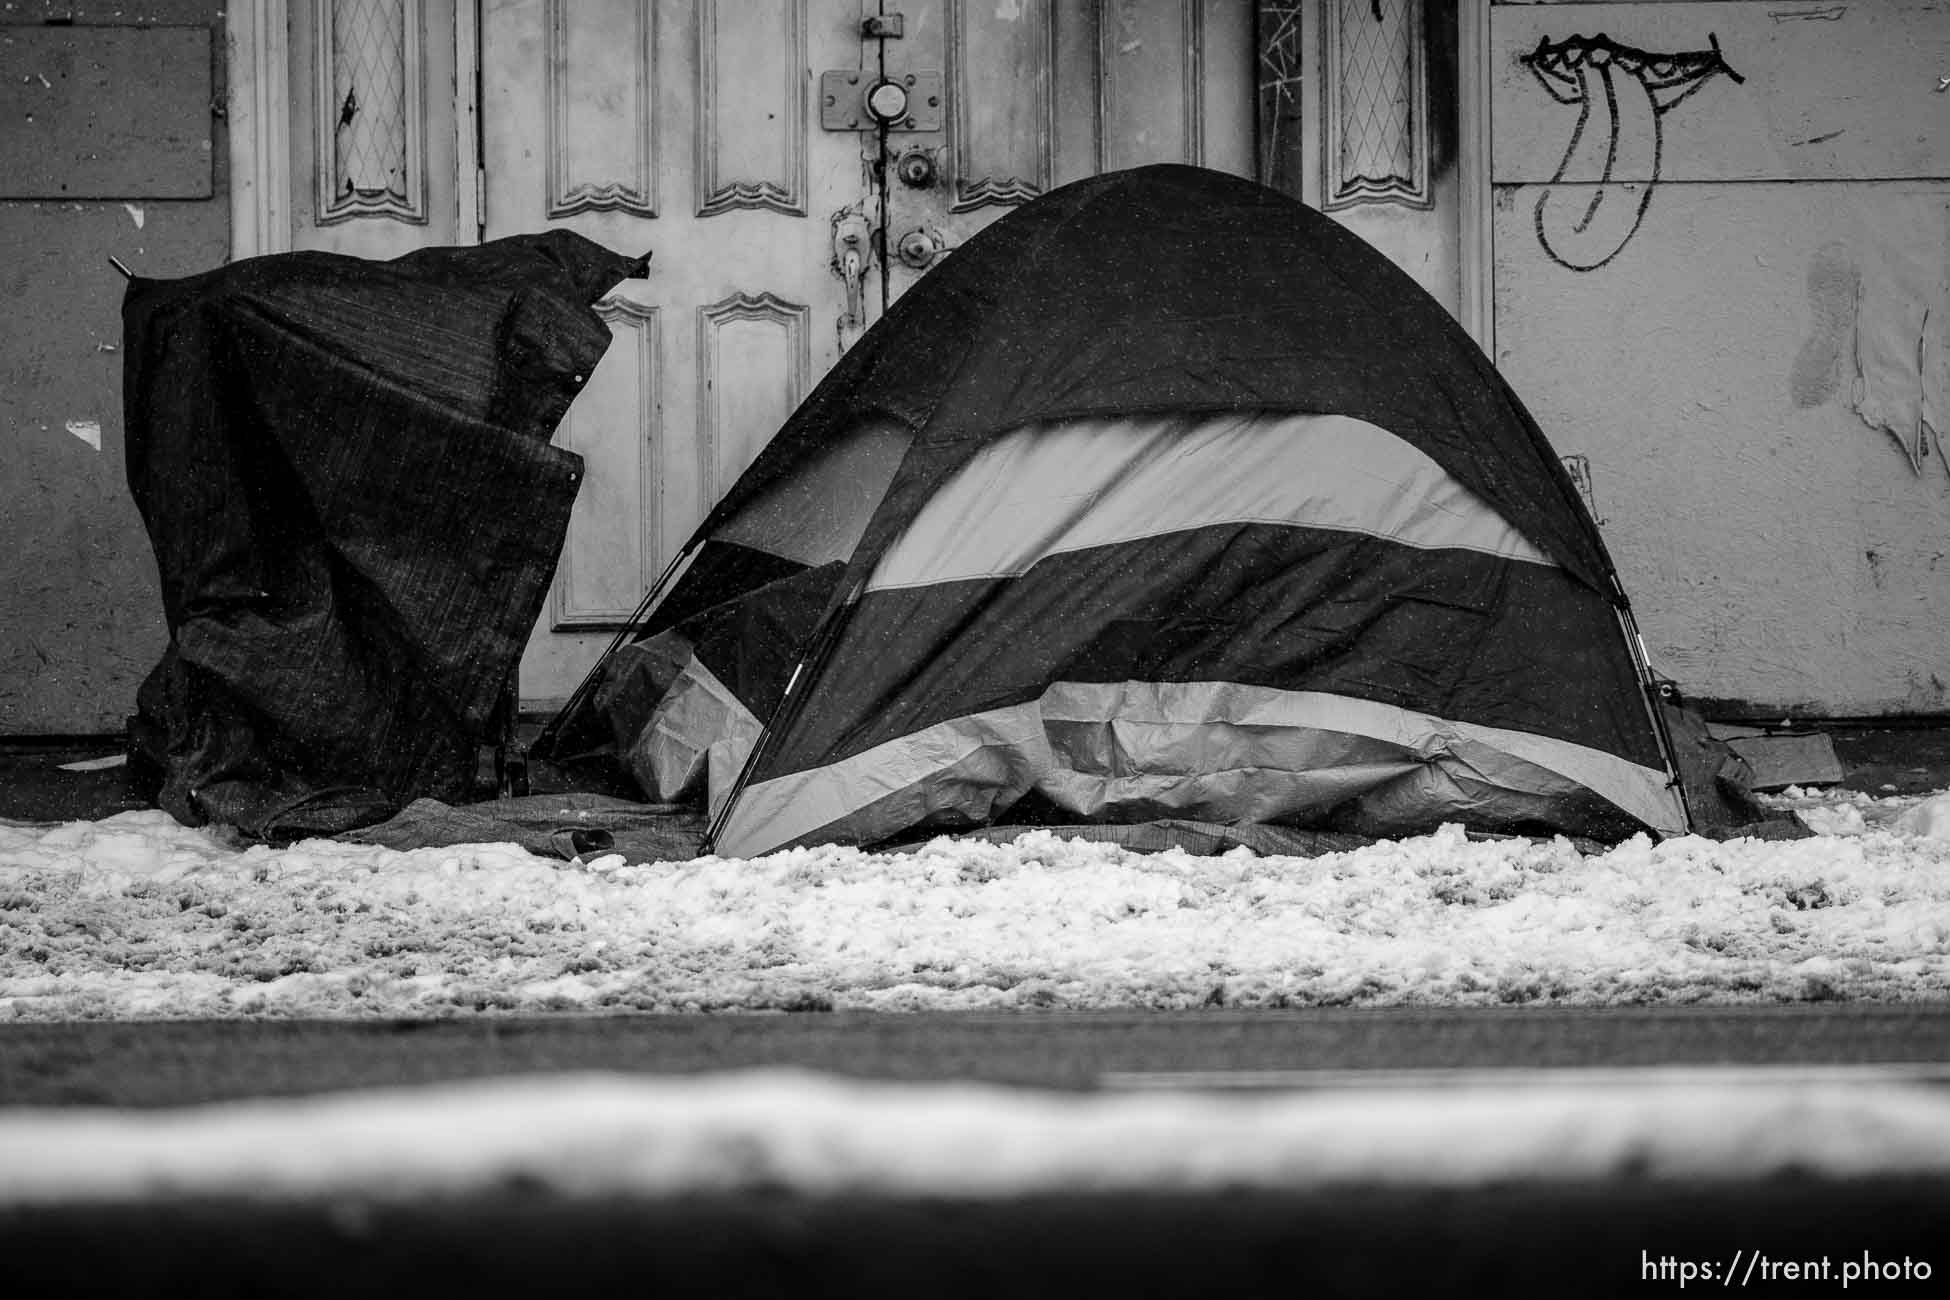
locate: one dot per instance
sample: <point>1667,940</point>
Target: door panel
<point>682,128</point>
<point>619,507</point>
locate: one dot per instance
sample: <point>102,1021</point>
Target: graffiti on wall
<point>1584,218</point>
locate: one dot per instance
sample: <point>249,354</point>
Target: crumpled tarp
<point>345,471</point>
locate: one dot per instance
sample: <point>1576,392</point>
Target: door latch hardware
<point>916,169</point>
<point>921,247</point>
<point>883,27</point>
<point>852,254</point>
<point>853,100</point>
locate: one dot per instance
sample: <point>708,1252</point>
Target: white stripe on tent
<point>991,756</point>
<point>1050,489</point>
<point>1642,792</point>
<point>1229,731</point>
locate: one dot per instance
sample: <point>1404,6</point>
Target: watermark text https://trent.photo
<point>1746,1267</point>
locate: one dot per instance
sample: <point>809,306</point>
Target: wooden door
<point>733,140</point>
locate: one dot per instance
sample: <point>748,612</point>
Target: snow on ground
<point>135,916</point>
<point>794,1131</point>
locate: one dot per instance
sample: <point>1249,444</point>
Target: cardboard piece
<point>1782,760</point>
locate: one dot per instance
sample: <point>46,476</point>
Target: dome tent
<point>1164,496</point>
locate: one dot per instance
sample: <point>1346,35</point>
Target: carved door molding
<point>613,169</point>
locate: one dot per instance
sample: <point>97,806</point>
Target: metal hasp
<point>884,27</point>
<point>852,100</point>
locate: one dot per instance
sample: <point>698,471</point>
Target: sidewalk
<point>33,786</point>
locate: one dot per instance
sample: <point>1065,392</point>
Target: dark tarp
<point>345,471</point>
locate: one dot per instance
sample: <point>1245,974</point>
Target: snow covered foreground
<point>135,916</point>
<point>792,1131</point>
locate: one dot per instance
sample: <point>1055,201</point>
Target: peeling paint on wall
<point>1834,288</point>
<point>1901,387</point>
<point>1578,466</point>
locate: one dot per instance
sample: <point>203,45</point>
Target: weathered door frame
<point>260,130</point>
<point>1477,310</point>
<point>258,51</point>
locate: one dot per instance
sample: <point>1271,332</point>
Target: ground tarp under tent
<point>1163,498</point>
<point>344,468</point>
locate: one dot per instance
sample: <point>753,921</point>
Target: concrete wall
<point>118,117</point>
<point>1743,327</point>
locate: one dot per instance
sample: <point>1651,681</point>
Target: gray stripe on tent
<point>1056,488</point>
<point>1219,751</point>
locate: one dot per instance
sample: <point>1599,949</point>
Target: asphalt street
<point>172,1063</point>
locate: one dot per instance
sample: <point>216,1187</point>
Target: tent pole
<point>588,684</point>
<point>1650,690</point>
<point>817,647</point>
